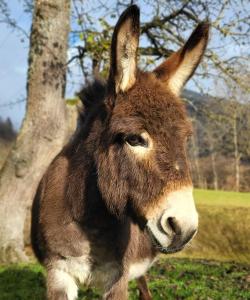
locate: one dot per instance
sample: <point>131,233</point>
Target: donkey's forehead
<point>149,104</point>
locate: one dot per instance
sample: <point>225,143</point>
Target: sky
<point>13,67</point>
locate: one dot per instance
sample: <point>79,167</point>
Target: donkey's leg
<point>118,291</point>
<point>143,288</point>
<point>61,286</point>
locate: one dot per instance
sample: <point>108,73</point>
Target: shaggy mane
<point>91,94</point>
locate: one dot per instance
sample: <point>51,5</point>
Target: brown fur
<point>96,196</point>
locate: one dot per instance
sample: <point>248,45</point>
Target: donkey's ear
<point>123,64</point>
<point>180,66</point>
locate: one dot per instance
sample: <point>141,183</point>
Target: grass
<point>221,198</point>
<point>168,279</point>
<point>22,282</point>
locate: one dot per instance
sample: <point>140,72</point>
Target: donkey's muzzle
<point>179,241</point>
<point>173,242</point>
<point>172,228</point>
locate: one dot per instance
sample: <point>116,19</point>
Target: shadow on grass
<point>18,283</point>
<point>28,283</point>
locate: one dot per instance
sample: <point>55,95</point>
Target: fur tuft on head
<point>91,94</point>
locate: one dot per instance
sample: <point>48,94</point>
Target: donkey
<point>120,191</point>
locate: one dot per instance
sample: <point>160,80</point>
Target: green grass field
<point>221,198</point>
<point>199,272</point>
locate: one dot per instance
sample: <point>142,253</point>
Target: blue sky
<point>13,66</point>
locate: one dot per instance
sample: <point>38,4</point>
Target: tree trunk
<point>236,152</point>
<point>196,161</point>
<point>42,134</point>
<point>214,169</point>
<point>215,176</point>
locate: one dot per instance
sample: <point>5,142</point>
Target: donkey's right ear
<point>123,61</point>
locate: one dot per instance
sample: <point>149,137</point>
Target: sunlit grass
<point>222,198</point>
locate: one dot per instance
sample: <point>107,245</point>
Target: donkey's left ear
<point>180,66</point>
<point>125,40</point>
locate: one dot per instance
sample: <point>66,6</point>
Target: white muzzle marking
<point>178,205</point>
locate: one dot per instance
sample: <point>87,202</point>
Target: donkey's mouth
<point>166,250</point>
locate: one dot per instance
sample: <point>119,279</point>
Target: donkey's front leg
<point>143,288</point>
<point>118,290</point>
<point>60,286</point>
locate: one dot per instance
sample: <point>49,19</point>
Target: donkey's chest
<point>139,268</point>
<point>109,272</point>
<point>103,274</point>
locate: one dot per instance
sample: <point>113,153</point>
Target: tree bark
<point>236,151</point>
<point>215,176</point>
<point>213,163</point>
<point>196,161</point>
<point>42,133</point>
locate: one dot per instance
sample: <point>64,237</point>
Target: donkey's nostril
<point>173,224</point>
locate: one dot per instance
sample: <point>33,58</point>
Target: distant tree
<point>43,130</point>
<point>7,131</point>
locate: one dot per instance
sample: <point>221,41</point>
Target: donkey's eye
<point>136,140</point>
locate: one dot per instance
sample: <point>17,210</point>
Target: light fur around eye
<point>142,150</point>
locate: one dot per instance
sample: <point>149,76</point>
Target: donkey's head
<point>141,156</point>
